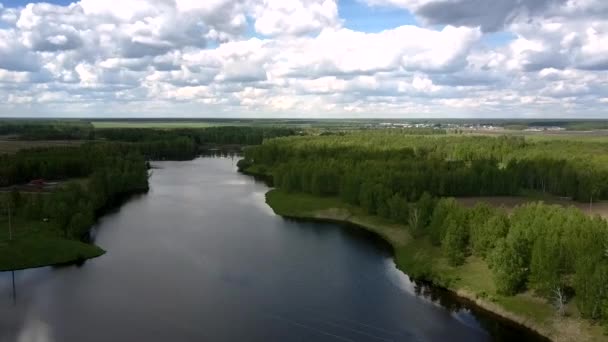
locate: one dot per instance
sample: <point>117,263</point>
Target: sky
<point>304,58</point>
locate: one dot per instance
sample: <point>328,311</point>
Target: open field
<point>510,202</point>
<point>585,136</point>
<point>203,123</point>
<point>153,124</point>
<point>12,146</point>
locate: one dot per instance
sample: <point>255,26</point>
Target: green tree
<point>399,209</point>
<point>455,239</point>
<point>510,264</point>
<point>420,214</point>
<point>485,235</point>
<point>437,225</point>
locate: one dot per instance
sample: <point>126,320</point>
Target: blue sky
<point>304,58</point>
<point>362,17</point>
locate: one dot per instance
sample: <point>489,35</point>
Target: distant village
<point>463,126</point>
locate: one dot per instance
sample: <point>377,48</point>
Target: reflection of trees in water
<point>223,153</point>
<point>14,288</point>
<point>439,296</point>
<point>499,328</point>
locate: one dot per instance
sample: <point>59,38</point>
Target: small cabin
<point>37,182</point>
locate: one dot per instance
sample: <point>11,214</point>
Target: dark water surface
<point>202,258</point>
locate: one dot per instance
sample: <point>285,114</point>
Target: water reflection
<point>35,330</point>
<point>14,288</point>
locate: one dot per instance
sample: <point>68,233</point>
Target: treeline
<point>221,135</point>
<point>71,162</point>
<point>47,130</point>
<point>61,163</point>
<point>48,163</point>
<point>110,172</point>
<point>409,175</point>
<point>173,144</point>
<point>376,165</point>
<point>182,144</point>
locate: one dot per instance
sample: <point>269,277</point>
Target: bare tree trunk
<point>10,227</point>
<point>414,219</point>
<point>542,182</point>
<point>559,299</point>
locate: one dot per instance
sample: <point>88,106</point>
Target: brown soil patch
<point>510,202</point>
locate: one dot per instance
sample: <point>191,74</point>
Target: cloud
<point>295,17</point>
<point>561,44</point>
<point>297,57</point>
<point>489,15</point>
<point>14,56</point>
<point>346,52</point>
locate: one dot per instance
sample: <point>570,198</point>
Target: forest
<point>107,171</point>
<point>183,144</point>
<point>558,253</point>
<point>382,162</point>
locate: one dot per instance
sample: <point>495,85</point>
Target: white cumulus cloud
<point>298,57</point>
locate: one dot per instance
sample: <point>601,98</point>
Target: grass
<point>37,243</point>
<point>420,259</point>
<point>41,251</point>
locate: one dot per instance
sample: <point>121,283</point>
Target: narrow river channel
<point>201,257</point>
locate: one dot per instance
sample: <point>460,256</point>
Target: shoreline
<point>86,248</point>
<point>89,251</point>
<point>460,293</point>
<point>554,329</point>
<point>71,262</point>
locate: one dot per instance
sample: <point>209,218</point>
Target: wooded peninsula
<point>542,265</point>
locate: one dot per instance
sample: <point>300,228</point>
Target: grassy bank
<point>420,259</point>
<point>37,244</point>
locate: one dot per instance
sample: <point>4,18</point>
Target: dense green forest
<point>182,144</point>
<point>559,253</point>
<point>108,172</point>
<point>376,163</point>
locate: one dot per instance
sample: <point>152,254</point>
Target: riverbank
<point>36,243</point>
<point>33,243</point>
<point>420,259</point>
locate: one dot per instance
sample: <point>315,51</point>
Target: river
<point>201,257</point>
